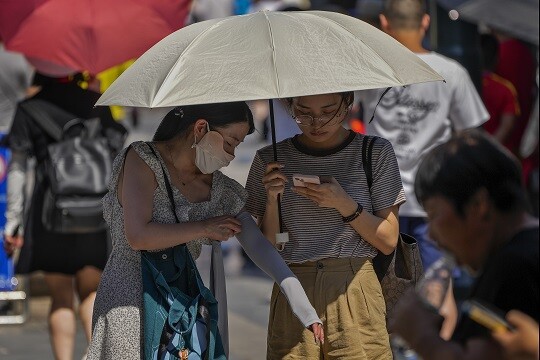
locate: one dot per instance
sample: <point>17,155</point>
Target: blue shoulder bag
<point>180,313</point>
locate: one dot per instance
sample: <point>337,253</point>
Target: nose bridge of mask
<point>213,142</point>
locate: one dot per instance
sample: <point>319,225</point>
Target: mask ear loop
<point>195,141</point>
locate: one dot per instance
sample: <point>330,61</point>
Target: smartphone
<point>300,180</point>
<point>486,317</point>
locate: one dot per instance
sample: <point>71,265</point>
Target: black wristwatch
<point>358,211</point>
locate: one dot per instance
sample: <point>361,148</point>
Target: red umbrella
<point>90,35</point>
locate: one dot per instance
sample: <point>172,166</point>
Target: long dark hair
<point>469,161</point>
<point>178,120</point>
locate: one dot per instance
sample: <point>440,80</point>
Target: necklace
<point>171,158</point>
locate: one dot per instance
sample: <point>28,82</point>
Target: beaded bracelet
<point>358,211</point>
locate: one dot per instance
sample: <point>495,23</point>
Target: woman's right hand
<point>274,180</point>
<point>318,333</point>
<point>221,228</point>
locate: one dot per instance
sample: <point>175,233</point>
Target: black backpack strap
<point>381,262</point>
<point>367,152</point>
<point>43,119</point>
<point>167,183</point>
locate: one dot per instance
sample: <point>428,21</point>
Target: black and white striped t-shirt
<point>314,232</point>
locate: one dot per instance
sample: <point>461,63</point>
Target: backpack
<point>77,168</point>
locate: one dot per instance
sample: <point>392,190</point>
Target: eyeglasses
<point>308,120</point>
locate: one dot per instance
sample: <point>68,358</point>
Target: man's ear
<point>479,205</point>
<point>424,24</point>
<point>385,25</point>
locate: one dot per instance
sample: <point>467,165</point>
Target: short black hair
<point>469,161</point>
<point>404,14</point>
<point>178,120</point>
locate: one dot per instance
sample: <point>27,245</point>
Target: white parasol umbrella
<point>266,55</point>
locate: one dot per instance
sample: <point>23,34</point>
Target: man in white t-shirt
<point>419,117</point>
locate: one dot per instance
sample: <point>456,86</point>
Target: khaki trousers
<point>348,298</point>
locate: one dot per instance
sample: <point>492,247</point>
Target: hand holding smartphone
<point>485,317</point>
<point>301,180</point>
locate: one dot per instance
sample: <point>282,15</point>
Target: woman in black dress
<point>72,263</point>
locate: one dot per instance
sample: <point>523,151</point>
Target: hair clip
<point>178,111</point>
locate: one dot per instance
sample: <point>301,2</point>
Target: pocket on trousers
<point>366,294</point>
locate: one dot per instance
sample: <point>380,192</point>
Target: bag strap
<point>211,326</point>
<point>44,120</point>
<point>167,183</point>
<point>367,153</point>
<point>381,262</point>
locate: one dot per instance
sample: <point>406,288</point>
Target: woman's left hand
<point>328,195</point>
<point>318,333</point>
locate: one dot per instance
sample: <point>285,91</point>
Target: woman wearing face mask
<point>190,145</point>
<point>335,229</point>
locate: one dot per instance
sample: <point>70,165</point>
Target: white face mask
<point>209,152</point>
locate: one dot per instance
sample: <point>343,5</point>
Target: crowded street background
<point>57,57</point>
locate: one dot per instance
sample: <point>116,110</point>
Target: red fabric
<point>517,65</point>
<point>499,96</point>
<point>91,35</point>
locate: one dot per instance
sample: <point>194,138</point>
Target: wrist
<point>348,207</point>
<point>352,216</point>
<point>203,231</point>
<point>13,229</point>
<point>271,203</point>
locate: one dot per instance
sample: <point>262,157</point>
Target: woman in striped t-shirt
<point>335,229</point>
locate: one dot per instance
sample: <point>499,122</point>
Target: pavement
<point>248,288</point>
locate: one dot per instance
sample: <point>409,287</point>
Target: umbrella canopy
<point>88,35</point>
<point>518,18</point>
<point>266,55</point>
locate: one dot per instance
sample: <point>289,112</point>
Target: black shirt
<point>509,280</point>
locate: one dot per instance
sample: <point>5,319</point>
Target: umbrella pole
<point>281,237</point>
<point>274,147</point>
